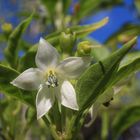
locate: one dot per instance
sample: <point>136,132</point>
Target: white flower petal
<point>30,79</point>
<point>93,113</point>
<point>46,55</point>
<point>44,101</point>
<point>117,89</point>
<point>72,67</point>
<point>68,96</point>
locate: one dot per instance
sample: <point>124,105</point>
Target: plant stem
<point>105,122</point>
<point>52,129</point>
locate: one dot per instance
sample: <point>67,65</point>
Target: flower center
<point>52,79</point>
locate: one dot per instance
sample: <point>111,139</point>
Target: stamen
<point>52,80</point>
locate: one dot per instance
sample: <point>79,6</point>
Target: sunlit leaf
<point>129,58</point>
<point>99,53</point>
<point>79,30</point>
<point>28,59</point>
<point>50,6</point>
<point>126,32</point>
<point>88,7</point>
<point>126,70</point>
<point>13,41</point>
<point>86,29</point>
<point>95,80</point>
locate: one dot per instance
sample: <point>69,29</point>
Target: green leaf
<point>30,115</point>
<point>79,31</point>
<point>95,80</point>
<point>13,42</point>
<point>84,30</point>
<point>127,67</point>
<point>130,58</point>
<point>124,33</point>
<point>137,4</point>
<point>88,7</point>
<point>50,6</point>
<point>28,60</point>
<point>66,4</point>
<point>6,76</point>
<point>124,119</point>
<point>99,53</point>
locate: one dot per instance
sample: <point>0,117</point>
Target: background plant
<point>108,71</point>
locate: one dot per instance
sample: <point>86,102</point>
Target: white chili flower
<point>51,78</point>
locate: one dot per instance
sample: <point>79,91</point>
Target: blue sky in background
<point>8,11</point>
<point>118,16</point>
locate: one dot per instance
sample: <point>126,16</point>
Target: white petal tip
<point>13,83</point>
<point>42,40</point>
<point>39,116</point>
<point>76,108</point>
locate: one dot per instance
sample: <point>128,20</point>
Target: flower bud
<point>7,27</point>
<point>67,40</point>
<point>84,48</point>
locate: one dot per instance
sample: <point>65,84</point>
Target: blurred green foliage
<point>107,71</point>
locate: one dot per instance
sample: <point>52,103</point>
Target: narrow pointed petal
<point>29,79</point>
<point>117,89</point>
<point>68,96</point>
<point>72,67</point>
<point>46,55</point>
<point>44,101</point>
<point>93,113</point>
